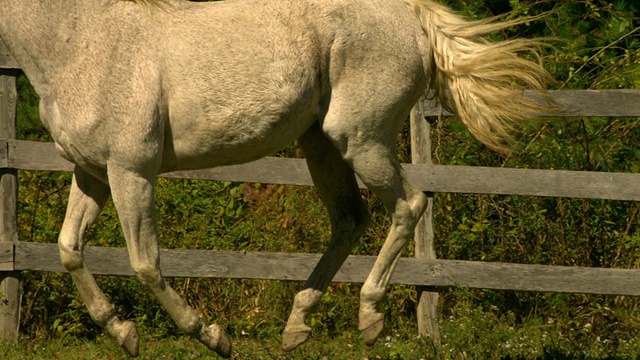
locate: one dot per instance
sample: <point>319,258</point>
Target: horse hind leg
<point>372,154</point>
<point>134,200</point>
<point>405,205</point>
<point>86,199</point>
<point>349,218</point>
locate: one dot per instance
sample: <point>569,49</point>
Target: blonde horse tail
<point>485,80</point>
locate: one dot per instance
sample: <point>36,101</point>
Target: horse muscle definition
<point>131,89</point>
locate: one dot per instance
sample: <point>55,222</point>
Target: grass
<point>185,348</point>
<point>469,332</point>
<point>344,347</point>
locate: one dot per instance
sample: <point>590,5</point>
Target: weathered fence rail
<point>298,267</point>
<point>16,256</point>
<point>29,155</point>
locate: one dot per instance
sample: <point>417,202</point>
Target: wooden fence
<point>424,271</point>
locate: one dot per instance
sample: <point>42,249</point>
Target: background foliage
<point>598,47</point>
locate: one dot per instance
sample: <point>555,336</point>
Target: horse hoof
<point>216,340</point>
<point>291,340</point>
<point>131,340</point>
<point>372,328</point>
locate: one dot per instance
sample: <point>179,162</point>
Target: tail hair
<point>485,80</point>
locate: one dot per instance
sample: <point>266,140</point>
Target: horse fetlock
<point>104,316</point>
<point>306,300</point>
<point>370,295</point>
<point>215,338</point>
<point>191,325</point>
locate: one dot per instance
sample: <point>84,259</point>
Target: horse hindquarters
<point>369,104</point>
<point>376,73</point>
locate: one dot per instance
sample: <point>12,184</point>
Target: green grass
<point>468,332</point>
<point>345,347</point>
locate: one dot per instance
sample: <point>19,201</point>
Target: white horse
<point>131,89</point>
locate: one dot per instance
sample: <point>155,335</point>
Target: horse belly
<point>235,138</point>
<point>239,95</point>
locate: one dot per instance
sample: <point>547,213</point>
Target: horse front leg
<point>134,200</point>
<point>86,199</point>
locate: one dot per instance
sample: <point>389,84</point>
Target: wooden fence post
<point>427,310</point>
<point>10,280</point>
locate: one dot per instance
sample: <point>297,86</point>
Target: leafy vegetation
<point>599,48</point>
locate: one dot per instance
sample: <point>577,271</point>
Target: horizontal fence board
<point>533,182</point>
<point>29,155</point>
<point>35,155</point>
<point>576,103</point>
<point>6,256</point>
<point>297,267</point>
<point>275,170</point>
